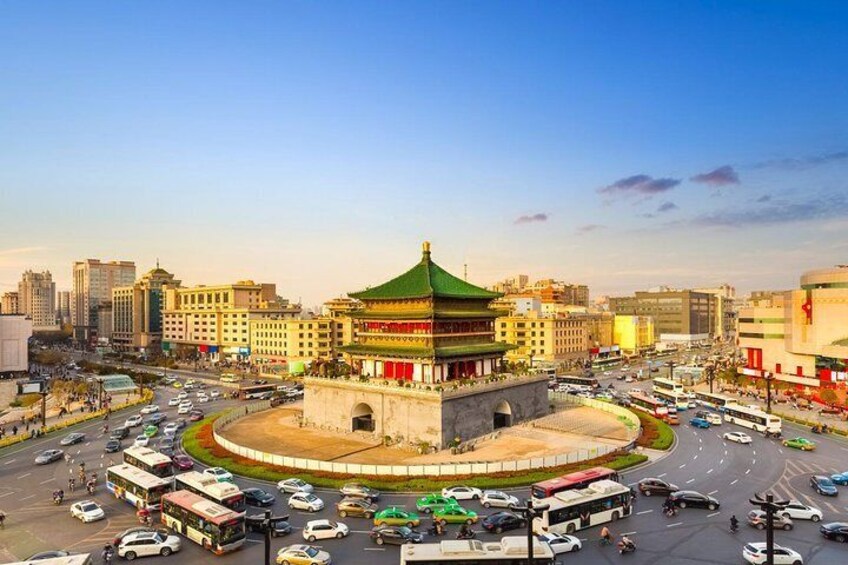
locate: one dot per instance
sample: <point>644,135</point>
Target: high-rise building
<point>63,307</point>
<point>286,340</point>
<point>725,311</point>
<point>799,336</point>
<point>9,303</point>
<point>137,311</point>
<point>540,338</point>
<point>93,282</point>
<point>634,334</point>
<point>213,322</point>
<point>680,315</point>
<point>37,299</point>
<point>15,331</point>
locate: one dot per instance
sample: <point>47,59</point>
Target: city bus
<point>669,385</point>
<point>606,362</point>
<point>226,494</point>
<point>229,378</point>
<point>137,487</point>
<point>589,382</point>
<point>714,401</point>
<point>210,525</point>
<point>253,392</point>
<point>76,559</point>
<point>757,420</point>
<point>679,400</point>
<point>509,550</point>
<point>648,404</point>
<point>149,460</point>
<point>577,480</point>
<point>569,511</point>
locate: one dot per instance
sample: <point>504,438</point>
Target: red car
<point>195,416</point>
<point>182,462</point>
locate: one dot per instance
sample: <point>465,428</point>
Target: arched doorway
<point>503,415</point>
<point>362,418</point>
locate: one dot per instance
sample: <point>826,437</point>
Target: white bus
<point>226,494</point>
<point>149,460</point>
<point>572,510</point>
<point>669,385</point>
<point>213,527</point>
<point>752,418</point>
<point>679,400</point>
<point>510,550</point>
<point>137,487</point>
<point>648,404</point>
<point>714,401</point>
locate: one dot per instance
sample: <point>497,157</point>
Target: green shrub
<point>656,434</point>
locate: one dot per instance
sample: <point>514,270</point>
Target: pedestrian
<point>14,430</point>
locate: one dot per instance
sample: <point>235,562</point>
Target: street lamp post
<point>528,511</point>
<point>43,408</point>
<point>711,376</point>
<point>770,507</point>
<point>768,377</point>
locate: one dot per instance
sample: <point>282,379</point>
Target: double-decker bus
<point>576,480</point>
<point>588,382</point>
<point>226,494</point>
<point>648,404</point>
<point>572,510</point>
<point>714,401</point>
<point>679,400</point>
<point>137,487</point>
<point>757,420</point>
<point>509,550</point>
<point>210,525</point>
<point>669,385</point>
<point>149,460</point>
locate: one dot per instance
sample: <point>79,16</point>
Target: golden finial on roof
<point>426,250</point>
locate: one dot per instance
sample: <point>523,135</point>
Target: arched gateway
<point>362,418</point>
<point>503,415</point>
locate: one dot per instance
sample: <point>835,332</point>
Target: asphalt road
<point>701,461</point>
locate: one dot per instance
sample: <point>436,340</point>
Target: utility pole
<point>768,376</point>
<point>43,408</point>
<point>770,507</point>
<point>528,511</point>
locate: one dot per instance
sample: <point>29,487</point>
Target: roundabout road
<point>701,461</point>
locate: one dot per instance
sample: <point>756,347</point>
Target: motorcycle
<point>671,511</point>
<point>626,547</point>
<point>469,534</point>
<point>435,530</point>
<point>57,499</point>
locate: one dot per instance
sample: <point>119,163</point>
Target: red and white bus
<point>210,525</point>
<point>649,404</point>
<point>577,480</point>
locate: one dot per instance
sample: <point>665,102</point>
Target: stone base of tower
<point>413,414</point>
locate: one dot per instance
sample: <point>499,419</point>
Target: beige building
<point>543,338</point>
<point>63,307</point>
<point>286,340</point>
<point>15,331</point>
<point>799,336</point>
<point>685,313</point>
<point>213,322</point>
<point>93,282</point>
<point>137,312</point>
<point>634,334</point>
<point>37,299</point>
<point>9,303</point>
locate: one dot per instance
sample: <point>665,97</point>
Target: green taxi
<point>455,515</point>
<point>433,502</point>
<point>394,516</point>
<point>151,430</point>
<point>799,443</point>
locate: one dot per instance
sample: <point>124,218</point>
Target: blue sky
<point>316,144</point>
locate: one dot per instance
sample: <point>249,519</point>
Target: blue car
<point>823,485</point>
<point>840,478</point>
<point>699,423</point>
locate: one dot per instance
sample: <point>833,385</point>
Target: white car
<point>629,379</point>
<point>185,408</point>
<point>174,401</point>
<point>200,393</point>
<point>141,441</point>
<point>171,429</point>
<point>214,393</point>
<point>798,511</point>
<point>133,421</point>
<point>305,501</point>
<point>498,499</point>
<point>737,437</point>
<point>324,529</point>
<point>714,419</point>
<point>183,395</point>
<point>220,474</point>
<point>87,511</point>
<point>149,409</point>
<point>755,553</point>
<point>145,543</point>
<point>294,485</point>
<point>561,543</point>
<point>203,399</point>
<point>462,493</point>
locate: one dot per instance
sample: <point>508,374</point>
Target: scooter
<point>626,547</point>
<point>469,534</point>
<point>435,531</point>
<point>671,511</point>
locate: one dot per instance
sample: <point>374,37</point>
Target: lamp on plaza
<point>528,512</point>
<point>770,506</point>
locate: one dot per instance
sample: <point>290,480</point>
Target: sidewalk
<point>13,418</point>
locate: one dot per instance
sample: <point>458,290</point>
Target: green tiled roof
<point>426,314</point>
<point>425,280</point>
<point>427,352</point>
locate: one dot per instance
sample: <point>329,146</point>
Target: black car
<point>692,499</point>
<point>258,497</point>
<point>835,530</point>
<point>155,419</point>
<point>279,525</point>
<point>74,438</point>
<point>167,450</point>
<point>823,485</point>
<point>396,535</point>
<point>113,446</point>
<point>48,555</point>
<point>656,486</point>
<point>500,522</point>
<point>119,433</point>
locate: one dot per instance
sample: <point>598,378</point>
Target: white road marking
<point>7,494</point>
<point>700,448</point>
<point>780,450</point>
<point>755,452</point>
<point>661,476</point>
<point>712,493</point>
<point>45,482</point>
<point>754,462</point>
<point>694,458</point>
<point>682,466</point>
<point>87,443</point>
<point>700,440</point>
<point>748,471</point>
<point>725,452</point>
<point>710,471</point>
<point>28,497</point>
<point>672,525</point>
<point>713,514</point>
<point>374,548</point>
<point>638,513</point>
<point>720,462</point>
<point>25,475</point>
<point>633,484</point>
<point>690,481</point>
<point>10,462</point>
<point>628,533</point>
<point>734,481</point>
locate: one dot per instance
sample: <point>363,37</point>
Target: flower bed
<point>199,442</point>
<point>656,434</point>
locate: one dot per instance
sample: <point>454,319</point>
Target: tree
<point>828,396</point>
